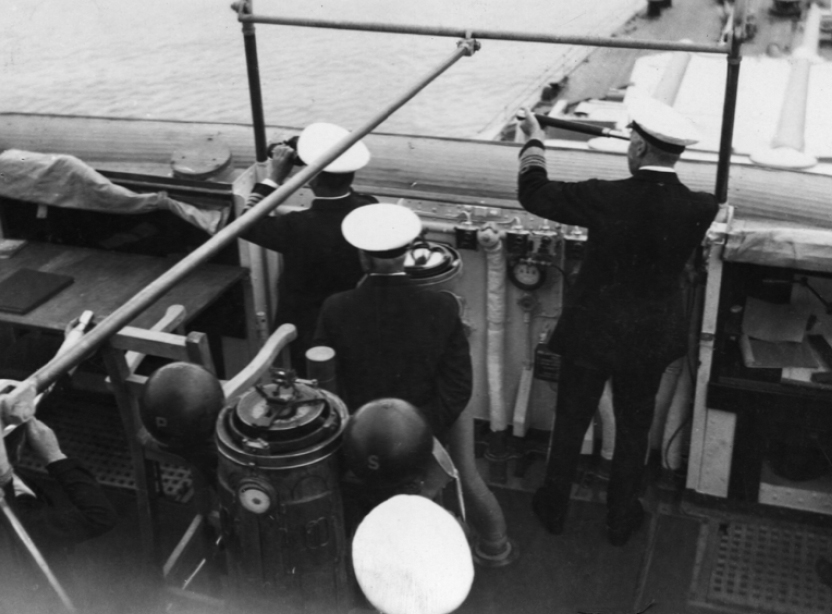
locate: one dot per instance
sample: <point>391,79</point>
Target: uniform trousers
<point>634,399</point>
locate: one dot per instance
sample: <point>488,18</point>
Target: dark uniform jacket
<point>628,310</point>
<point>395,339</point>
<point>83,513</point>
<point>77,511</point>
<point>317,260</point>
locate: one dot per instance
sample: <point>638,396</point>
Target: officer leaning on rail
<point>317,260</point>
<point>627,321</point>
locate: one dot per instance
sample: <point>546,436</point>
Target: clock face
<point>527,275</point>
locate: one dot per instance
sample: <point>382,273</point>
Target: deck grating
<point>94,434</point>
<point>768,567</point>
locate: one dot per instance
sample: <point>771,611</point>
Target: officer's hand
<point>530,126</point>
<point>43,442</point>
<point>280,163</point>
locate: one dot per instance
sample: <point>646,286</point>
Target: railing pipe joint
<point>469,45</point>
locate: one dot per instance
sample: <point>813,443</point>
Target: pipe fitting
<point>242,7</point>
<point>469,44</point>
<point>498,553</point>
<point>489,237</point>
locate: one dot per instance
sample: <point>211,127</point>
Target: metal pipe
<point>732,80</point>
<point>493,547</point>
<point>507,35</point>
<point>150,294</point>
<point>258,119</point>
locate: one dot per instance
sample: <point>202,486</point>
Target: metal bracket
<point>469,43</point>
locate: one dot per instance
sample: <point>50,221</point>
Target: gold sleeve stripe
<point>532,157</point>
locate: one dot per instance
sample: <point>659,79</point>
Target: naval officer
<point>393,338</point>
<point>627,321</point>
<point>317,260</point>
<point>74,508</point>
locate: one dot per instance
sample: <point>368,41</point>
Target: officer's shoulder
<point>335,301</point>
<point>706,199</point>
<point>365,199</point>
<point>440,298</point>
<point>612,184</point>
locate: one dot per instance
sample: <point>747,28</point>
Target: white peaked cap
<point>411,557</point>
<point>317,139</point>
<point>662,121</point>
<point>381,227</point>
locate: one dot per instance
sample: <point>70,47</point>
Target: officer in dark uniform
<point>627,321</point>
<point>317,260</point>
<point>77,511</point>
<point>392,338</point>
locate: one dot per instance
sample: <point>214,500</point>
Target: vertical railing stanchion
<point>258,120</point>
<point>732,80</point>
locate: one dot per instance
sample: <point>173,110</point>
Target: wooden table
<point>105,280</point>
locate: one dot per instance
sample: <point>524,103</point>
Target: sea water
<point>185,60</point>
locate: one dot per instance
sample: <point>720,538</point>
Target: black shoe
<point>549,510</point>
<point>620,531</point>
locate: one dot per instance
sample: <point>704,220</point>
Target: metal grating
<point>95,436</point>
<point>770,568</point>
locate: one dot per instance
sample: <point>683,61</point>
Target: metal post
<point>255,93</point>
<point>732,80</point>
<point>125,314</point>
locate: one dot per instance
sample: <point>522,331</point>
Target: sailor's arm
<point>269,230</point>
<point>86,511</point>
<point>565,202</point>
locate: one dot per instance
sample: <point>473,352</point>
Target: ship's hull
<point>454,170</point>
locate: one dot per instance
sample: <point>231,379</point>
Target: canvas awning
<point>778,244</point>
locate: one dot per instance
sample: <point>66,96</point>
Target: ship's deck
<point>687,558</point>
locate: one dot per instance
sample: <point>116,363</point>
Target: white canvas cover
<point>779,244</point>
<point>62,180</point>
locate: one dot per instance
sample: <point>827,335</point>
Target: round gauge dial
<point>526,275</point>
<point>255,498</point>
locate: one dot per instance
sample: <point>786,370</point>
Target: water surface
<point>184,59</point>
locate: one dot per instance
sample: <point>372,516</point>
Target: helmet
<point>387,442</point>
<point>180,403</point>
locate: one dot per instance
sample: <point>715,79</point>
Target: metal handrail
<point>258,118</point>
<point>110,325</point>
<point>732,50</point>
<point>486,34</point>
